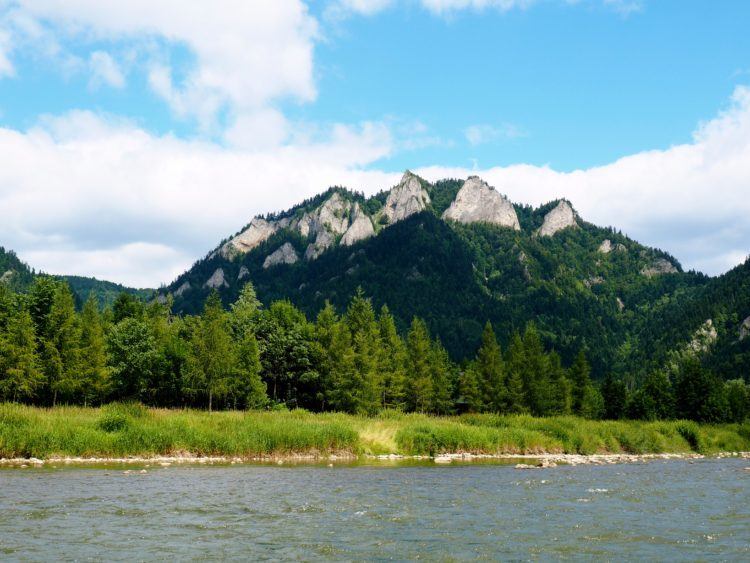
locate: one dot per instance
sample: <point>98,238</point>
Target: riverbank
<point>136,434</point>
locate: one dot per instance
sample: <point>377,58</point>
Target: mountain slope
<point>456,253</point>
<point>18,276</point>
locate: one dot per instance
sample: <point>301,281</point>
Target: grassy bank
<point>133,430</point>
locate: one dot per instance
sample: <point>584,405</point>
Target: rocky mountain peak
<point>478,202</point>
<point>405,199</point>
<point>561,217</point>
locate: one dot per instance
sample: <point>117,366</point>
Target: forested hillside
<point>584,286</point>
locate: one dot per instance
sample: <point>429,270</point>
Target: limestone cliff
<point>285,254</point>
<point>478,202</point>
<point>257,232</point>
<point>217,280</point>
<point>405,199</point>
<point>360,229</point>
<point>658,267</point>
<point>561,217</point>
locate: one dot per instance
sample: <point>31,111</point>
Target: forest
<point>352,361</point>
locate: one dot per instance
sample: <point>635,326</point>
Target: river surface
<point>657,510</point>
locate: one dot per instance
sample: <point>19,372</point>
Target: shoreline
<point>526,461</point>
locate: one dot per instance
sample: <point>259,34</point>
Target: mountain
<point>459,253</point>
<point>19,276</point>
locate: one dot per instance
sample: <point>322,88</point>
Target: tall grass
<point>129,430</point>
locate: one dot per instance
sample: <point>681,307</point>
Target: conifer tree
<point>365,339</point>
<point>491,371</point>
<point>615,397</point>
<point>64,356</point>
<point>94,374</point>
<point>579,377</point>
<point>535,372</point>
<point>469,391</point>
<point>560,388</point>
<point>391,362</point>
<point>515,401</point>
<point>441,400</point>
<point>20,373</point>
<point>419,384</point>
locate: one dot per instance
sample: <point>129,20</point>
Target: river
<point>657,510</point>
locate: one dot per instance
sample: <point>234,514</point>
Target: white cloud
<point>691,199</point>
<point>484,133</point>
<point>105,70</point>
<point>447,6</point>
<point>246,53</point>
<point>82,193</point>
<point>341,8</point>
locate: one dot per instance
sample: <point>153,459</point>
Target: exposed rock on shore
<point>478,202</point>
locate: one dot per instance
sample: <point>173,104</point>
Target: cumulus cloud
<point>84,193</point>
<point>105,70</point>
<point>246,53</point>
<point>78,190</point>
<point>691,199</point>
<point>484,133</point>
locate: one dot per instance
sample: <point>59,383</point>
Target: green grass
<point>129,430</point>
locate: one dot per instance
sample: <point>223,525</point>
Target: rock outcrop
<point>745,329</point>
<point>407,198</point>
<point>243,273</point>
<point>182,289</point>
<point>478,202</point>
<point>285,254</point>
<point>561,217</point>
<point>324,224</point>
<point>360,229</point>
<point>605,247</point>
<point>658,267</point>
<point>257,232</point>
<point>7,276</point>
<point>704,337</point>
<point>217,280</point>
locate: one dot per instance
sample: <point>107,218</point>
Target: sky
<point>134,136</point>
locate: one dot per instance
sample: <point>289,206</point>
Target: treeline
<point>354,361</point>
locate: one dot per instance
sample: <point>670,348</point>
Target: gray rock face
<point>182,289</point>
<point>561,217</point>
<point>478,202</point>
<point>658,267</point>
<point>620,304</point>
<point>258,231</point>
<point>243,273</point>
<point>407,198</point>
<point>745,329</point>
<point>7,276</point>
<point>605,247</point>
<point>324,224</point>
<point>704,337</point>
<point>217,280</point>
<point>360,229</point>
<point>285,254</point>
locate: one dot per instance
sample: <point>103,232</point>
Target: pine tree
<point>535,372</point>
<point>94,374</point>
<point>615,396</point>
<point>441,400</point>
<point>515,397</point>
<point>64,336</point>
<point>245,311</point>
<point>579,377</point>
<point>560,388</point>
<point>20,373</point>
<point>419,384</point>
<point>365,338</point>
<point>491,371</point>
<point>391,362</point>
<point>469,391</point>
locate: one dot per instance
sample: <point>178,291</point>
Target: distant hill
<point>19,276</point>
<point>458,253</point>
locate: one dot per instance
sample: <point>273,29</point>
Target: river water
<point>656,510</point>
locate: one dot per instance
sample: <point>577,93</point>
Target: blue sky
<point>114,106</point>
